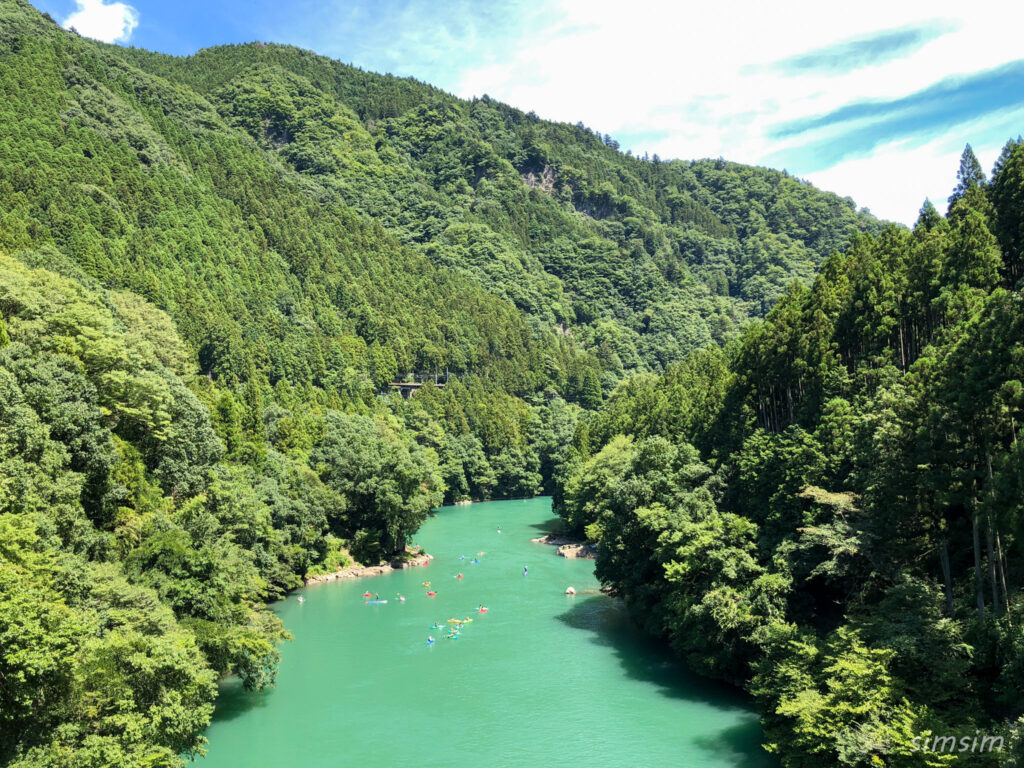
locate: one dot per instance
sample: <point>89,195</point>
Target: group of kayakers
<point>457,625</point>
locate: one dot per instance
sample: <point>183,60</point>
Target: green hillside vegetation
<point>645,260</point>
<point>210,270</point>
<point>829,511</point>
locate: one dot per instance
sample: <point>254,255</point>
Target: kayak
<point>431,594</point>
<point>376,602</point>
<point>482,610</point>
<point>367,594</point>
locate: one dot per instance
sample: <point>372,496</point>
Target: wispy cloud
<point>870,51</point>
<point>807,89</point>
<point>948,99</point>
<point>899,175</point>
<point>109,22</point>
<point>858,128</point>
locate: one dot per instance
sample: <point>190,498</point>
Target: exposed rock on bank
<point>570,548</point>
<point>553,540</point>
<point>356,571</point>
<point>578,551</point>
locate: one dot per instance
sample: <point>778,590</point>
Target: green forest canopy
<point>211,268</point>
<point>829,510</point>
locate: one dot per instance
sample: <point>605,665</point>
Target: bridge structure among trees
<point>415,381</point>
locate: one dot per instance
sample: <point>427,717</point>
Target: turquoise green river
<point>541,678</point>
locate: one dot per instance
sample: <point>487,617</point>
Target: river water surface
<point>540,679</point>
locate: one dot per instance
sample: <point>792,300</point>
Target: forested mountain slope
<point>830,510</point>
<point>210,269</point>
<point>646,259</point>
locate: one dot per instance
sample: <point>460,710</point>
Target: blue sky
<point>874,100</point>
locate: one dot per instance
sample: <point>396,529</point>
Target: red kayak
<point>367,594</point>
<point>481,610</point>
<point>431,594</point>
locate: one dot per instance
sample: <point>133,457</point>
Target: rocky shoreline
<point>568,548</point>
<point>356,571</point>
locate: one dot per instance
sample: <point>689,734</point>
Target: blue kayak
<point>376,602</point>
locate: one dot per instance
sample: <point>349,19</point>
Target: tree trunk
<point>1001,561</point>
<point>979,583</point>
<point>946,577</point>
<point>990,540</point>
<point>990,556</point>
<point>903,354</point>
<point>775,412</point>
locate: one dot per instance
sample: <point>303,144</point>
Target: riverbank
<point>572,549</point>
<point>357,571</point>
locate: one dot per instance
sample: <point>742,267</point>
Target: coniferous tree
<point>970,183</point>
<point>1007,194</point>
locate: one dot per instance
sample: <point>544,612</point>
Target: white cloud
<point>894,180</point>
<point>692,80</point>
<point>109,22</point>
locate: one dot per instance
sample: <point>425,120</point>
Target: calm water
<point>540,678</point>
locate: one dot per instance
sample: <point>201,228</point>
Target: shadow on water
<point>553,525</point>
<point>741,743</point>
<point>234,701</point>
<point>644,659</point>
